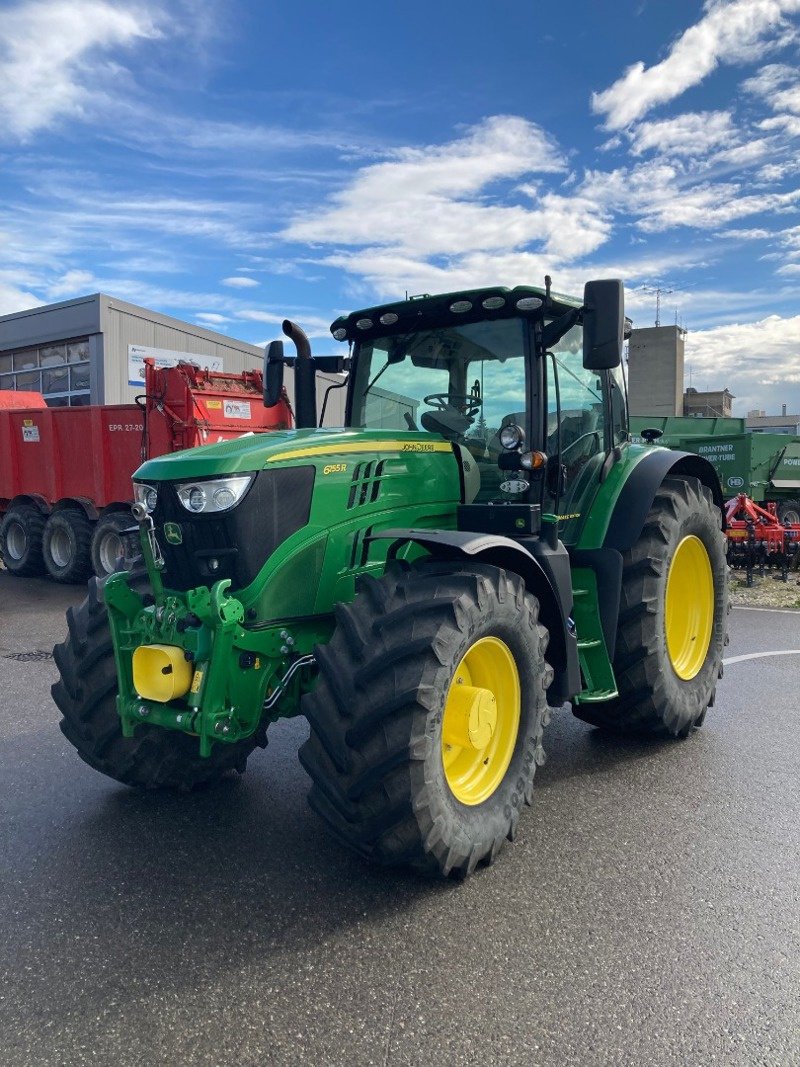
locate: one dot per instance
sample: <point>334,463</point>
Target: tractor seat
<point>450,423</point>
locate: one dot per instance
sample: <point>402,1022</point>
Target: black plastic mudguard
<point>638,493</point>
<point>547,575</point>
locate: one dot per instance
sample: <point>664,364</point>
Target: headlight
<point>145,494</point>
<point>511,436</point>
<point>219,494</point>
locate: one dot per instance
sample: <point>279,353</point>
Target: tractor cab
<point>527,385</point>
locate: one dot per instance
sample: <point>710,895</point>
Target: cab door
<point>578,433</point>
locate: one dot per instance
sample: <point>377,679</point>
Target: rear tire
<point>382,768</point>
<point>86,696</point>
<point>106,549</point>
<point>789,512</point>
<point>66,546</point>
<point>21,541</point>
<point>665,691</point>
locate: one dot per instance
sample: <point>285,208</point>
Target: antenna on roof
<point>659,291</point>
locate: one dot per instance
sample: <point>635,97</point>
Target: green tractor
<point>480,542</point>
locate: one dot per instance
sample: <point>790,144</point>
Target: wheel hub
<point>471,716</point>
<point>16,541</point>
<point>60,548</point>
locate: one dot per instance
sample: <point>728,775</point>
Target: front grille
<point>232,544</point>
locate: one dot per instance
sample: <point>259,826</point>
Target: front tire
<point>427,718</point>
<point>86,696</point>
<point>672,627</point>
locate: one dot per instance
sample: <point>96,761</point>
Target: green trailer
<point>765,466</point>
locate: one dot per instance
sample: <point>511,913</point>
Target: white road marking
<point>761,655</point>
<point>775,611</point>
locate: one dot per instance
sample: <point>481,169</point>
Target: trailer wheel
<point>21,540</point>
<point>86,696</point>
<point>789,512</point>
<point>66,546</point>
<point>427,718</point>
<point>673,618</point>
<point>106,548</point>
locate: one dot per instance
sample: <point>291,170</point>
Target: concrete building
<point>709,405</point>
<point>655,371</point>
<point>90,350</point>
<point>760,422</point>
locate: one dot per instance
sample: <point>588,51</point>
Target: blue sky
<point>234,163</point>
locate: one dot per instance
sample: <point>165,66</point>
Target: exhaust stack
<point>305,385</point>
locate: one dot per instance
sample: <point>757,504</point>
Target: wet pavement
<point>648,913</point>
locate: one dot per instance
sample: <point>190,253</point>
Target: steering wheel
<point>465,403</point>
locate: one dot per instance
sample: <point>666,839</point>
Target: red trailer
<point>65,473</point>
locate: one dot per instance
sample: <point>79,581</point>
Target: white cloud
<point>438,200</point>
<point>691,134</point>
<point>758,361</point>
<point>73,283</point>
<point>661,197</point>
<point>14,299</point>
<point>746,235</point>
<point>211,318</point>
<point>769,80</point>
<point>313,325</point>
<point>52,57</point>
<point>240,281</point>
<point>729,32</point>
<point>779,86</point>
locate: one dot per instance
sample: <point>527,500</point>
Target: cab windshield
<point>462,382</point>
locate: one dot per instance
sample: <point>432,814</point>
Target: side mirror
<point>273,373</point>
<point>603,324</point>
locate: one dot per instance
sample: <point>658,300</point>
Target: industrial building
<point>759,422</point>
<point>712,404</point>
<point>655,370</point>
<point>90,351</point>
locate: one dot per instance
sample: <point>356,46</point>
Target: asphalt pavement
<point>647,914</point>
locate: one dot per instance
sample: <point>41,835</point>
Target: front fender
<point>547,574</point>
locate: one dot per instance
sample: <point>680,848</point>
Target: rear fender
<point>549,583</point>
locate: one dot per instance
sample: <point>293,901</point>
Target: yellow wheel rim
<point>481,721</point>
<point>689,608</point>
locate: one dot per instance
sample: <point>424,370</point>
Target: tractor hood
<point>281,446</point>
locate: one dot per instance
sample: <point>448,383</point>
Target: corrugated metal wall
<point>125,324</point>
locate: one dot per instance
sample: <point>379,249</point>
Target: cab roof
<point>464,305</point>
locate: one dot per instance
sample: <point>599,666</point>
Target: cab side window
<point>575,426</point>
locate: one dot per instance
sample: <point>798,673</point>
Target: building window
<point>60,372</point>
